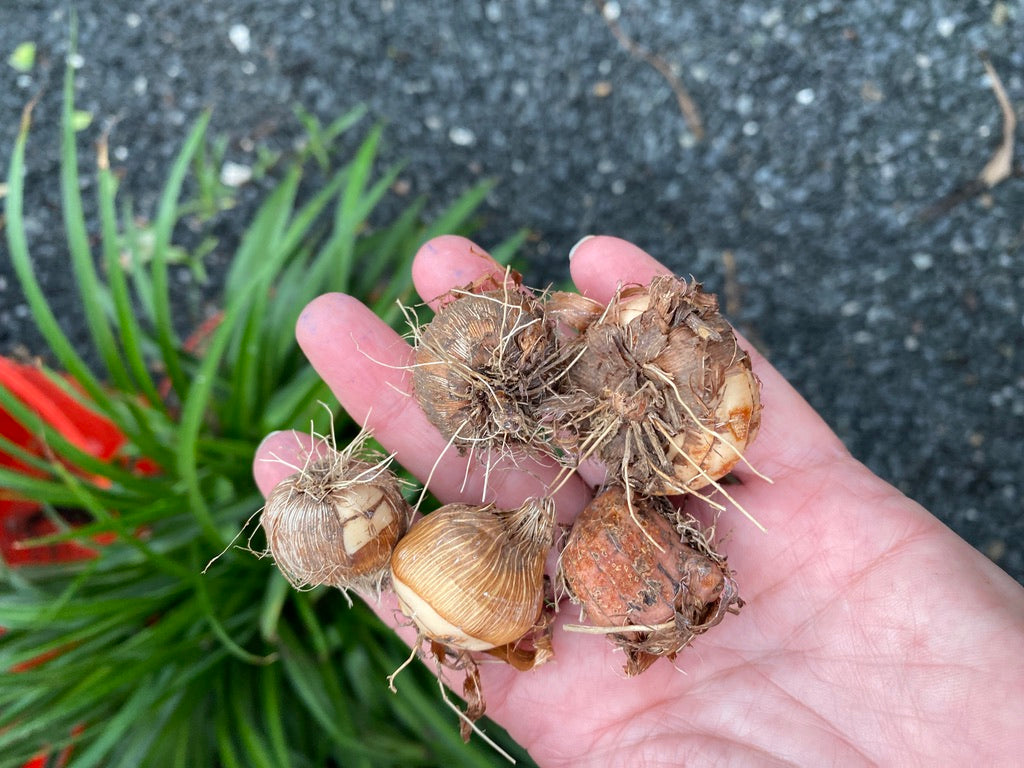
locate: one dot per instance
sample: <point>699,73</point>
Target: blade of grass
<point>505,251</point>
<point>268,230</point>
<point>292,400</point>
<point>89,287</point>
<point>273,715</point>
<point>166,217</point>
<point>225,729</point>
<point>274,599</point>
<point>45,320</point>
<point>347,215</point>
<point>306,678</point>
<point>125,320</point>
<point>210,615</point>
<point>240,714</point>
<point>112,729</point>
<point>136,258</point>
<point>342,123</point>
<point>456,214</point>
<point>394,259</point>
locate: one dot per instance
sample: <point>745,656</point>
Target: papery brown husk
<point>306,516</point>
<point>482,366</point>
<point>481,571</point>
<point>613,567</point>
<point>447,560</point>
<point>649,389</point>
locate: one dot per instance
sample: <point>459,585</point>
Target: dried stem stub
<point>662,393</point>
<point>337,519</point>
<point>648,579</point>
<point>484,364</point>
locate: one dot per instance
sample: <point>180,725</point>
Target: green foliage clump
<point>137,656</point>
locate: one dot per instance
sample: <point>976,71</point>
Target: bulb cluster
<point>654,385</point>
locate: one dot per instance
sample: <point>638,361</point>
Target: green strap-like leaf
<point>167,216</point>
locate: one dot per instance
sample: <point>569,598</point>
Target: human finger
<point>451,261</point>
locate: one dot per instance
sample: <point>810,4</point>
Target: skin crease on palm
<point>871,633</point>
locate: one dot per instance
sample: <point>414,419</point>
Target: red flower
<point>20,518</point>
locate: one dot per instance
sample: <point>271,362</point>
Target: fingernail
<point>581,241</point>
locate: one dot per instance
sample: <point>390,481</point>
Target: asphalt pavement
<point>817,164</point>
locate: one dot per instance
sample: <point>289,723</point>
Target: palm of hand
<point>871,632</point>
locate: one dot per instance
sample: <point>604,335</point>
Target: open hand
<point>871,633</point>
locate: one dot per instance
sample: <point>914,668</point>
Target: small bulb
<point>631,566</point>
<point>660,391</point>
<point>483,364</point>
<point>336,521</point>
<point>472,578</point>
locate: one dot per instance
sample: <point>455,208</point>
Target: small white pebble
<point>863,337</point>
<point>518,167</point>
<point>235,174</point>
<point>750,128</point>
<point>911,343</point>
<point>461,136</point>
<point>493,12</point>
<point>687,140</point>
<point>923,60</point>
<point>240,38</point>
<point>771,17</point>
<point>433,122</point>
<point>945,26</point>
<point>805,96</point>
<point>248,68</point>
<point>133,20</point>
<point>922,260</point>
<point>605,166</point>
<point>24,80</point>
<point>121,153</point>
<point>140,85</point>
<point>611,11</point>
<point>618,187</point>
<point>850,308</point>
<point>76,61</point>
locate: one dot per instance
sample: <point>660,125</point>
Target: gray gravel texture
<point>830,126</point>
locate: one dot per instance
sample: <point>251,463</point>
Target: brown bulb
<point>472,577</point>
<point>482,365</point>
<point>336,522</point>
<point>661,392</point>
<point>638,569</point>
